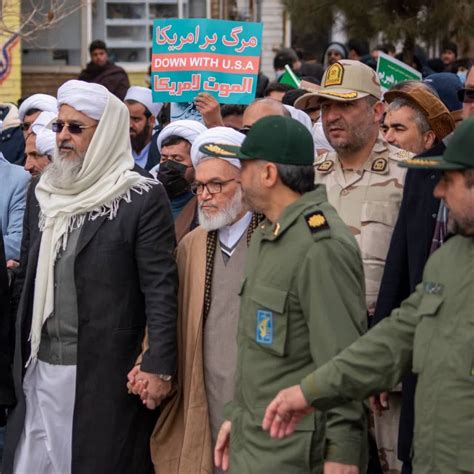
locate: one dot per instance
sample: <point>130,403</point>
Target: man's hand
<point>210,110</point>
<point>379,403</point>
<point>12,264</point>
<point>285,411</point>
<point>337,468</point>
<point>221,451</point>
<point>151,389</point>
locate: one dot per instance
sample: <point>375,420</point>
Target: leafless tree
<point>35,15</point>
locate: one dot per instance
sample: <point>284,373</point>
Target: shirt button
<point>434,216</point>
<point>344,192</point>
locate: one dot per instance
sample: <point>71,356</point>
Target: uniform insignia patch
<point>213,148</point>
<point>316,221</point>
<point>432,288</point>
<point>422,162</point>
<point>264,327</point>
<point>325,166</point>
<point>379,165</point>
<point>334,75</point>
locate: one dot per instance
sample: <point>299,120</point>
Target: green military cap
<point>276,139</point>
<point>457,156</point>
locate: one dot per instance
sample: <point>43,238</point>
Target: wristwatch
<point>165,378</point>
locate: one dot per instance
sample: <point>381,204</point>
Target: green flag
<point>290,78</point>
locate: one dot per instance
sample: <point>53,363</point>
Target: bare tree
<point>35,15</point>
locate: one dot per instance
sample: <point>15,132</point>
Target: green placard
<point>391,71</point>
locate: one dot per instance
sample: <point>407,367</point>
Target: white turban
<point>301,116</point>
<point>187,129</point>
<point>43,102</point>
<point>85,97</point>
<point>45,137</point>
<point>144,96</point>
<point>219,135</point>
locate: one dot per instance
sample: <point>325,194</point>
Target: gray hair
<point>420,118</point>
<point>299,179</point>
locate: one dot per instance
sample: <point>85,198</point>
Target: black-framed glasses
<point>74,128</point>
<point>213,187</point>
<point>466,95</point>
<point>25,126</point>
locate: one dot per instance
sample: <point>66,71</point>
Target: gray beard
<point>62,172</point>
<point>225,216</point>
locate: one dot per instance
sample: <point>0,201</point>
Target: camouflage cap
<point>437,114</point>
<point>345,80</point>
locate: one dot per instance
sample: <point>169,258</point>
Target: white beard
<point>62,172</point>
<point>225,216</point>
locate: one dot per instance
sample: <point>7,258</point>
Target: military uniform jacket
<point>302,301</point>
<point>368,201</point>
<point>431,333</point>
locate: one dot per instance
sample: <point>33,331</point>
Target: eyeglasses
<point>466,95</point>
<point>212,188</point>
<point>245,130</point>
<point>25,126</point>
<point>74,128</point>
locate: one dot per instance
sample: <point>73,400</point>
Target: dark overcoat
<point>126,278</point>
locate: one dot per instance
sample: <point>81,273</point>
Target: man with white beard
<point>98,267</point>
<point>210,266</point>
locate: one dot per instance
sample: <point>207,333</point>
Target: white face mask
<point>462,76</point>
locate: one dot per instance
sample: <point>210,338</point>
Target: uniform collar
<point>292,212</point>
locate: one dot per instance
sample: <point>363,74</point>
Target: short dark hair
<point>97,44</point>
<point>283,57</point>
<point>450,46</point>
<point>290,97</point>
<point>276,87</point>
<point>174,140</point>
<point>147,113</point>
<point>232,109</point>
<point>360,46</point>
<point>299,179</point>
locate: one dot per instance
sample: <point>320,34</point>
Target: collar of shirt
<point>231,234</point>
<point>142,157</point>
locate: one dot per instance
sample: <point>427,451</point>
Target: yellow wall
<point>137,78</point>
<point>10,68</point>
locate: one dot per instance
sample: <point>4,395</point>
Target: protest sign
<point>391,71</point>
<point>198,55</point>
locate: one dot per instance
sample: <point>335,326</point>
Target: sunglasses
<point>25,126</point>
<point>74,128</point>
<point>466,95</point>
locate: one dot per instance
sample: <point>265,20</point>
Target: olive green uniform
<point>302,302</point>
<point>432,333</point>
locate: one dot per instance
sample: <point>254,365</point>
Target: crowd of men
<point>187,297</point>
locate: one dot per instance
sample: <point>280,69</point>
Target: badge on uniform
<point>325,166</point>
<point>316,221</point>
<point>379,165</point>
<point>264,327</point>
<point>433,288</point>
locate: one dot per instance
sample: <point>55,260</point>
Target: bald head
<point>263,108</point>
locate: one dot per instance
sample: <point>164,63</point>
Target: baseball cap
<point>276,139</point>
<point>345,80</point>
<point>457,156</point>
<point>447,86</point>
<point>439,118</point>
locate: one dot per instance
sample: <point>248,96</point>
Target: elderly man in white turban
<point>40,144</point>
<point>143,118</point>
<point>176,171</point>
<point>31,108</point>
<point>99,268</point>
<point>210,265</point>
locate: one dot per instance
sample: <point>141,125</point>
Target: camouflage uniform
<point>368,201</point>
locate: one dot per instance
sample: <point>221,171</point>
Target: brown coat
<point>181,441</point>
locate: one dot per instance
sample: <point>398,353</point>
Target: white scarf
<point>104,180</point>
